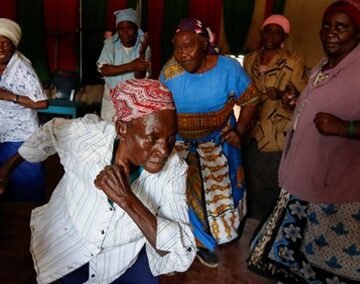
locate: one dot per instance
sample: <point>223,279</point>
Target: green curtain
<point>93,21</point>
<point>33,42</point>
<point>174,11</point>
<point>237,20</point>
<point>278,7</point>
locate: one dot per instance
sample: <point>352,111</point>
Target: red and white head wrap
<point>139,97</point>
<point>350,7</point>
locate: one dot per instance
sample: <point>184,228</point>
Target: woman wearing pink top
<point>313,233</point>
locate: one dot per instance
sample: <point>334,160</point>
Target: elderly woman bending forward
<point>119,213</point>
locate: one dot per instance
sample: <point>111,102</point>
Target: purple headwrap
<point>197,26</point>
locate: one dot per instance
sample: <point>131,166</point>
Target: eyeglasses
<point>339,28</point>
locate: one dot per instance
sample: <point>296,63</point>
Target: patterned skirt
<point>305,242</point>
<point>215,191</point>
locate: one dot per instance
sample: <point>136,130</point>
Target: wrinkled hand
<point>328,124</point>
<point>140,64</point>
<point>232,136</point>
<point>114,182</point>
<point>289,97</point>
<point>4,178</point>
<point>273,93</point>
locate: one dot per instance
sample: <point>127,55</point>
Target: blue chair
<point>62,107</point>
<point>66,85</point>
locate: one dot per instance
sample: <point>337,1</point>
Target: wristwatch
<point>16,99</point>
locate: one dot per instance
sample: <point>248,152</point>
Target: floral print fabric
<point>309,242</point>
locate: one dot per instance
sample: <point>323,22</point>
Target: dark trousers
<point>27,181</point>
<point>261,177</point>
<point>139,273</point>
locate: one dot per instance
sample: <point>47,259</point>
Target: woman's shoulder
<point>89,132</point>
<point>250,56</point>
<point>175,166</point>
<point>171,70</point>
<point>294,58</point>
<point>226,59</point>
<point>20,69</point>
<point>21,60</point>
<point>228,63</point>
<point>92,122</point>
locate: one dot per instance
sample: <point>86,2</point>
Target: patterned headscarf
<point>11,30</point>
<point>278,20</point>
<point>197,26</point>
<point>139,97</point>
<point>350,7</point>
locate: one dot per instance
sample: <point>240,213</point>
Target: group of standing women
<point>304,130</point>
<point>206,86</point>
<point>312,235</point>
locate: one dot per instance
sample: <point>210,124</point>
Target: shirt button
<point>92,275</point>
<point>102,232</point>
<point>189,249</point>
<point>111,209</point>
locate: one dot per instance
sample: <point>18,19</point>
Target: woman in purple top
<point>313,233</point>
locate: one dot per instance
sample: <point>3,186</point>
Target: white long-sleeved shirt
<point>79,225</point>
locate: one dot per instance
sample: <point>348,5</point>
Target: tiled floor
<point>16,264</point>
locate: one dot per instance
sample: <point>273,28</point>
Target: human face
<point>127,32</point>
<point>272,36</point>
<point>7,49</point>
<point>338,34</point>
<point>190,51</point>
<point>149,140</point>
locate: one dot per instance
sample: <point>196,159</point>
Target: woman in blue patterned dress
<point>206,86</point>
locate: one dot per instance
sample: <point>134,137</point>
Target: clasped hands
<point>288,97</point>
<point>140,63</point>
<point>114,182</point>
<point>232,136</point>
